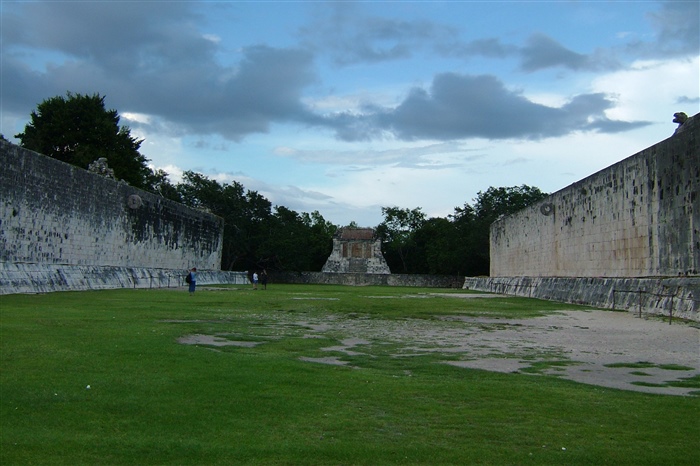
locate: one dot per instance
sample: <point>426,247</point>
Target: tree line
<point>78,129</point>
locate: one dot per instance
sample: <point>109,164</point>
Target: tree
<point>457,245</point>
<point>77,129</point>
<point>298,242</point>
<point>505,201</point>
<point>474,222</point>
<point>437,246</point>
<point>254,237</point>
<point>396,232</point>
<point>321,234</point>
<point>159,183</point>
<point>244,214</point>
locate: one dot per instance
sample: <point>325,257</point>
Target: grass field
<point>101,378</point>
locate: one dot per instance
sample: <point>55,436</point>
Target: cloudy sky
<point>344,107</point>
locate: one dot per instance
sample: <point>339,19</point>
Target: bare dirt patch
<point>603,348</point>
<point>211,340</point>
<point>577,345</point>
<point>594,347</point>
<point>330,360</point>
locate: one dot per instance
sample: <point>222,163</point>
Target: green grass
<point>646,365</point>
<point>155,401</point>
<point>633,365</point>
<point>687,382</point>
<point>547,366</point>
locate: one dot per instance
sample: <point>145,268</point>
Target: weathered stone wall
<point>677,297</point>
<point>637,218</point>
<point>44,278</point>
<point>54,213</point>
<point>367,279</point>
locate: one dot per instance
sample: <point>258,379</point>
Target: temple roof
<point>356,234</point>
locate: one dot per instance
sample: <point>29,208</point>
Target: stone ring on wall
<point>547,208</point>
<point>134,201</point>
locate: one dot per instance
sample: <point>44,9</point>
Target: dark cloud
<point>170,70</point>
<point>489,48</point>
<point>349,36</point>
<point>543,52</point>
<point>687,100</point>
<point>677,32</point>
<point>678,28</point>
<point>460,106</point>
<point>266,87</point>
<point>117,36</point>
<point>540,52</point>
<point>164,68</point>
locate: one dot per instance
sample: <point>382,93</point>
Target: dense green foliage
<point>77,129</point>
<point>100,378</point>
<point>458,245</point>
<point>255,236</point>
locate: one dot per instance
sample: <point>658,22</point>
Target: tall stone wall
<point>54,213</point>
<point>637,218</point>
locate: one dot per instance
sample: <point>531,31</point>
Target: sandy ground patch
<point>211,340</point>
<point>593,341</point>
<point>585,343</point>
<point>577,345</point>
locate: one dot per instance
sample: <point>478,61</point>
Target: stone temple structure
<point>356,250</point>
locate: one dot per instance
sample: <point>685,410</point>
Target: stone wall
<point>677,297</point>
<point>368,279</point>
<point>54,213</point>
<point>637,218</point>
<point>44,278</point>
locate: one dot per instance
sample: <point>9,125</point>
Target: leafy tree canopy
<point>457,245</point>
<point>494,202</point>
<point>77,129</point>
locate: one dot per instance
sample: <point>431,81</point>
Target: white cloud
<point>651,82</point>
<point>137,117</point>
<point>212,38</point>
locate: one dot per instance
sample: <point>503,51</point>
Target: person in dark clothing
<point>192,279</point>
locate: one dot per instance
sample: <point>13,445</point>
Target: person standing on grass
<point>263,279</point>
<point>192,279</point>
<point>255,280</point>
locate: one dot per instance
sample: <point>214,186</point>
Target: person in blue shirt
<point>192,279</point>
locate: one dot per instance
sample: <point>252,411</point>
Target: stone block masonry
<point>44,278</point>
<point>358,251</point>
<point>671,297</point>
<point>637,218</point>
<point>53,213</point>
<point>368,279</point>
